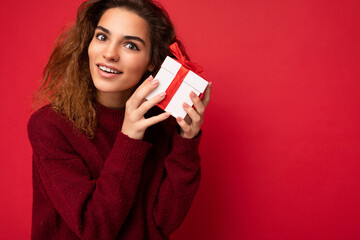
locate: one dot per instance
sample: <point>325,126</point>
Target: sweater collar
<point>108,117</point>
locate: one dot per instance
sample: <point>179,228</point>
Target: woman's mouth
<point>108,70</point>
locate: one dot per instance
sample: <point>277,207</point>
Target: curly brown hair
<point>67,84</point>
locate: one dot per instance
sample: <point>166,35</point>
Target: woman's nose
<point>111,53</point>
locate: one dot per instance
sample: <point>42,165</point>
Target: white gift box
<point>191,82</point>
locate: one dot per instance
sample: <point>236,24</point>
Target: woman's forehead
<point>120,21</point>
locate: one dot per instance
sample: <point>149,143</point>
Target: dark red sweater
<point>112,186</point>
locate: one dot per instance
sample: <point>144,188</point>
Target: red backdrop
<point>281,136</point>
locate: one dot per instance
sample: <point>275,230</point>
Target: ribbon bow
<point>182,60</point>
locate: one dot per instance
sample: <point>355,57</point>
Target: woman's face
<point>119,53</point>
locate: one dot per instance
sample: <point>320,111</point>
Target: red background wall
<point>281,135</point>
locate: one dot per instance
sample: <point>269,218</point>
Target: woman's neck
<point>116,100</point>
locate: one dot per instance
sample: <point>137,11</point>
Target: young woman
<point>106,163</point>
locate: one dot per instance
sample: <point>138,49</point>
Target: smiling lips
<point>108,69</point>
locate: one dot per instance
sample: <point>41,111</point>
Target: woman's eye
<point>131,46</point>
<point>101,37</point>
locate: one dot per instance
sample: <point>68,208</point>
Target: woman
<point>106,164</point>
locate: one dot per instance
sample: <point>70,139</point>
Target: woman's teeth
<point>105,69</point>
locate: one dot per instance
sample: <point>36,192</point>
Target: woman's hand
<point>135,123</point>
<point>190,126</point>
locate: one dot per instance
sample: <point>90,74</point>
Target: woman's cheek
<point>138,64</point>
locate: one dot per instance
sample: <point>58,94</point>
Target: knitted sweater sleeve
<point>180,183</point>
<point>93,209</point>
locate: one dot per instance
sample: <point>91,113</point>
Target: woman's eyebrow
<point>135,38</point>
<point>128,37</point>
<point>103,29</point>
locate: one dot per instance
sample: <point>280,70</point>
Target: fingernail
<point>150,78</point>
<point>192,94</point>
<point>162,95</point>
<point>210,84</point>
<point>155,81</point>
<point>179,119</point>
<point>186,105</point>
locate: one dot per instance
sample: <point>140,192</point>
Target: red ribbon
<point>182,59</point>
<point>180,75</point>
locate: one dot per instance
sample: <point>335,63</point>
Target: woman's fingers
<point>141,92</point>
<point>145,106</point>
<point>207,94</point>
<point>196,118</point>
<point>135,124</point>
<point>186,129</point>
<point>199,106</point>
<point>156,119</point>
<point>189,129</point>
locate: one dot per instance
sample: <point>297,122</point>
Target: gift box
<point>177,79</point>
